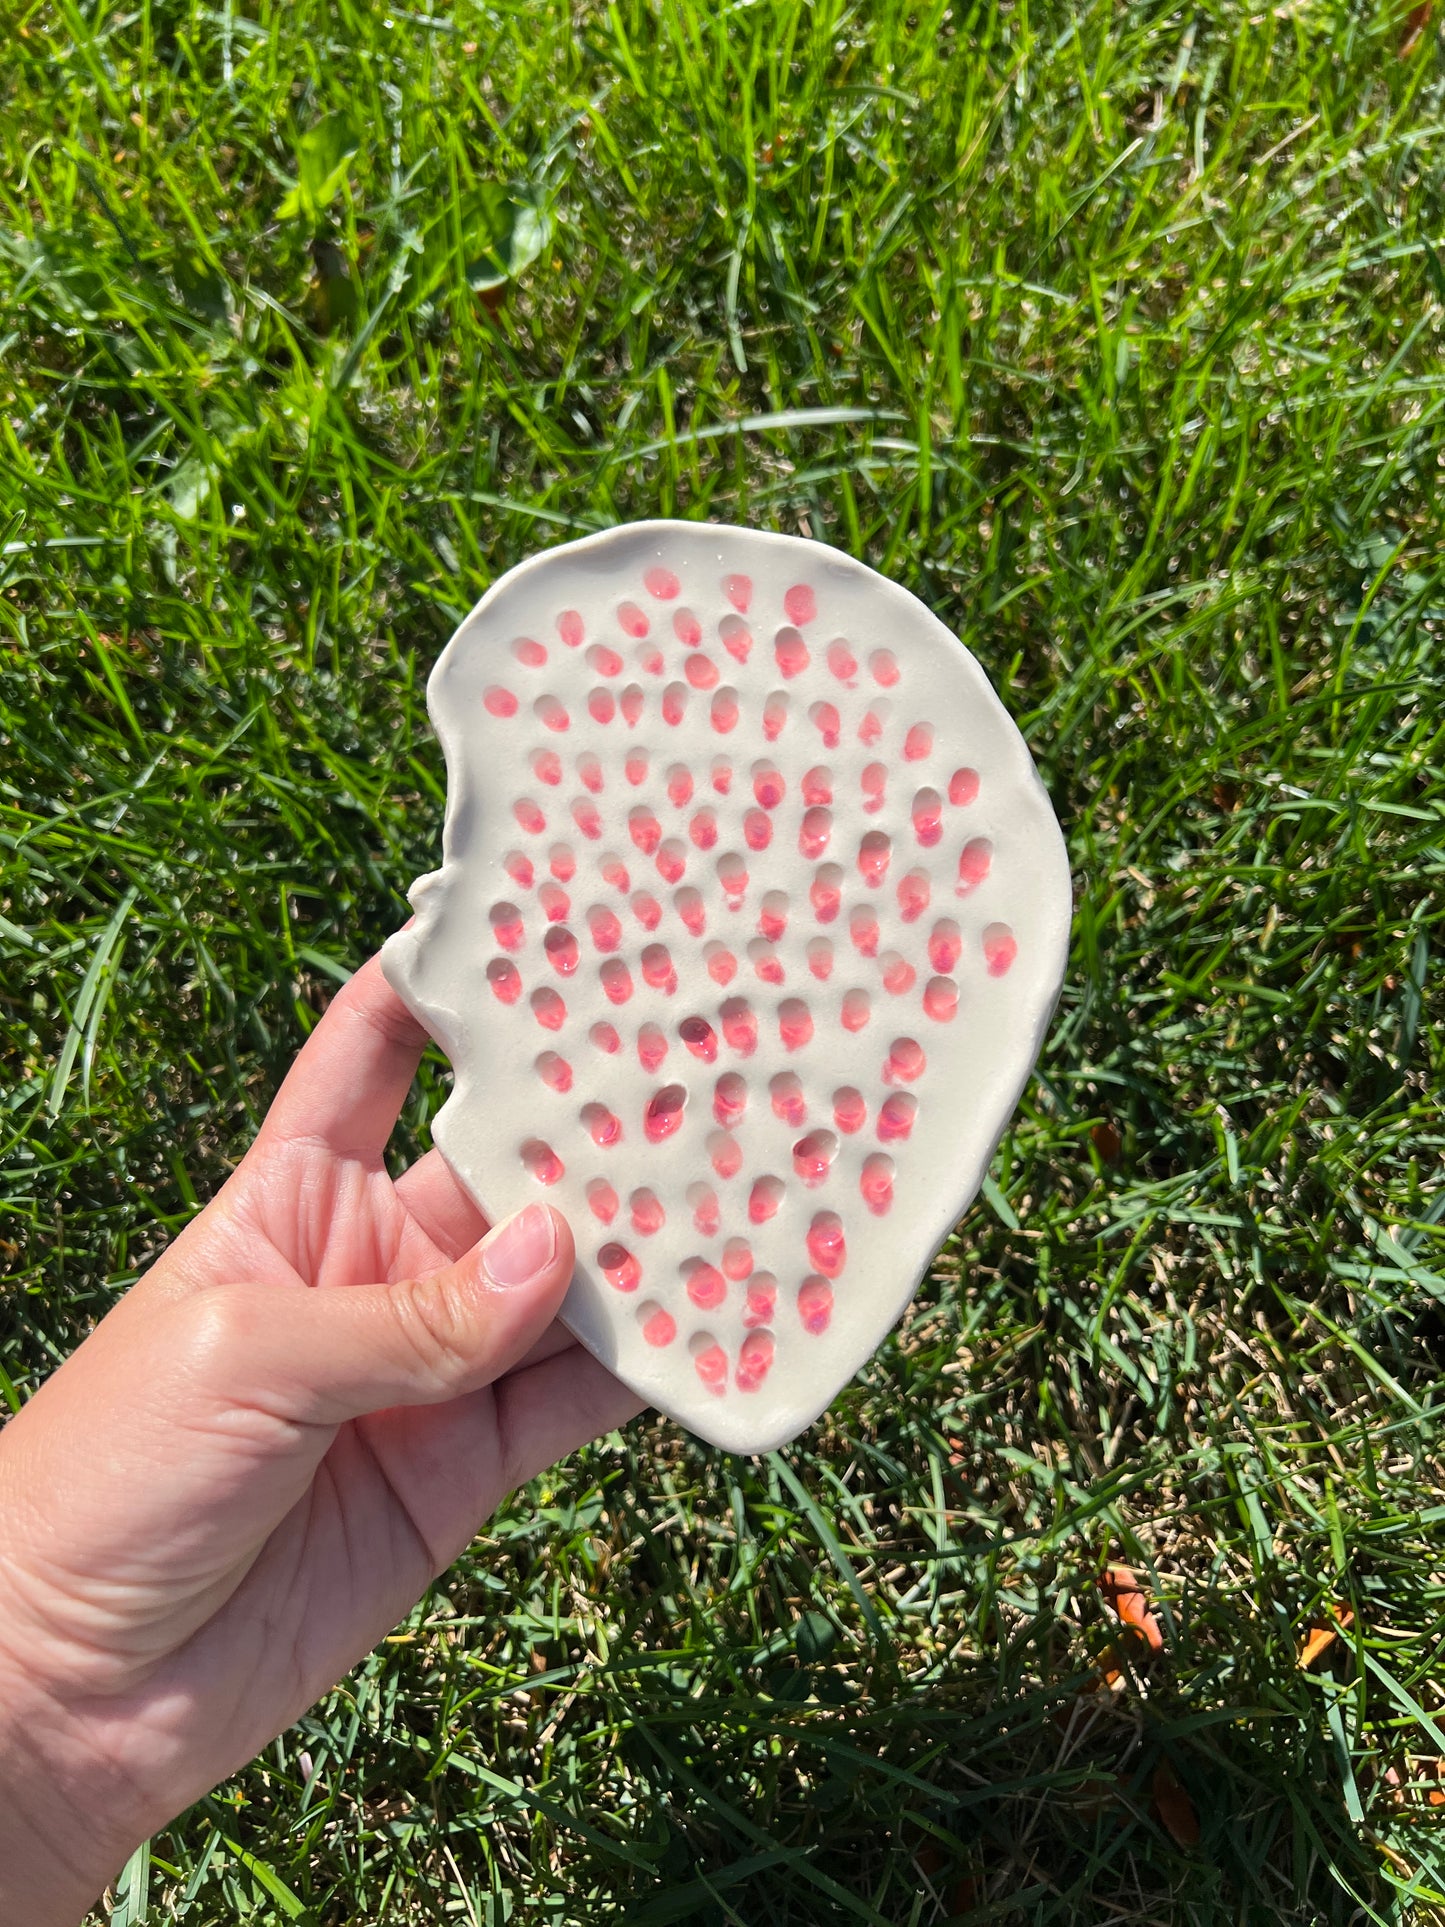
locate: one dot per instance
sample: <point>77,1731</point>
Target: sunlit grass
<point>1116,334</point>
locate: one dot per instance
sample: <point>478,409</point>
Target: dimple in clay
<point>751,917</point>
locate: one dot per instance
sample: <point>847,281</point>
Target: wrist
<point>63,1832</point>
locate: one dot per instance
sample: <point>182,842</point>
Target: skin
<point>237,1485</point>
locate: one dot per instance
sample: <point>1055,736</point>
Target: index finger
<point>347,1086</point>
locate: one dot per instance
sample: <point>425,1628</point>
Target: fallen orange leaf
<point>1416,21</point>
<point>1173,1806</point>
<point>1319,1639</point>
<point>1131,1603</point>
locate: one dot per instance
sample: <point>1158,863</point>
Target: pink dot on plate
<point>736,637</point>
<point>944,945</point>
<point>790,652</point>
<point>762,1298</point>
<point>674,704</point>
<point>815,1304</point>
<point>722,965</point>
<point>710,1362</point>
<point>706,1286</point>
<point>820,957</point>
<point>898,974</point>
<point>884,665</point>
<point>636,767</point>
<point>603,661</point>
<point>605,930</point>
<point>800,604</point>
<point>604,1127</point>
<point>927,816</point>
<point>554,1071</point>
<point>506,920</point>
<point>602,1200</point>
<point>519,869</point>
<point>657,968</point>
<point>817,827</point>
<point>646,1212</point>
<point>764,1199</point>
<point>505,980</point>
<point>974,864</point>
<point>824,892</point>
<point>729,1098</point>
<point>963,786</point>
<point>547,766</point>
<point>817,786</point>
<point>661,583</point>
<point>672,859</point>
<point>755,1357</point>
<point>863,929</point>
<point>631,704</point>
<point>726,1154</point>
<point>855,1009</point>
<point>644,829</point>
<point>825,719</point>
<point>702,672</point>
<point>773,915</point>
<point>569,628</point>
<point>940,999</point>
<point>740,1026</point>
<point>659,1327</point>
<point>646,909</point>
<point>619,1267</point>
<point>703,1204</point>
<point>529,817</point>
<point>876,1183</point>
<point>530,654</point>
<point>604,1037</point>
<point>664,1113</point>
<point>499,702</point>
<point>875,782</point>
<point>541,1161</point>
<point>795,1024</point>
<point>687,628</point>
<point>613,871</point>
<point>551,715</point>
<point>905,1062</point>
<point>999,949</point>
<point>616,981</point>
<point>813,1156</point>
<point>651,1047</point>
<point>850,1112</point>
<point>722,775</point>
<point>786,1092</point>
<point>739,591</point>
<point>918,743</point>
<point>842,661</point>
<point>724,711</point>
<point>588,818</point>
<point>737,1260</point>
<point>757,829</point>
<point>690,908</point>
<point>895,1119</point>
<point>873,854</point>
<point>562,863</point>
<point>601,706</point>
<point>679,785</point>
<point>632,619</point>
<point>775,715</point>
<point>562,948</point>
<point>700,1038</point>
<point>827,1247</point>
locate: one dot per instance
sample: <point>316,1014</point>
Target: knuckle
<point>433,1327</point>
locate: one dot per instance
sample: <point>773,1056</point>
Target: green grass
<point>1115,333</point>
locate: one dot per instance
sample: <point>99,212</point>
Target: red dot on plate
<point>661,583</point>
<point>633,620</point>
<point>739,591</point>
<point>499,702</point>
<point>619,1267</point>
<point>659,1327</point>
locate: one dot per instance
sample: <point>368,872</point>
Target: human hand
<point>239,1483</point>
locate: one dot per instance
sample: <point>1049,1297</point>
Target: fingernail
<point>523,1247</point>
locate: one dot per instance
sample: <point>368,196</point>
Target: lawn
<point>1115,333</point>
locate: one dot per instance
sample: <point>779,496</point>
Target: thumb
<point>320,1357</point>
